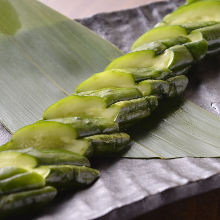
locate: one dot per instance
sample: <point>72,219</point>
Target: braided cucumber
<point>52,153</point>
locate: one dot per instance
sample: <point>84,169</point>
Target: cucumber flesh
<point>56,156</point>
<point>174,58</point>
<point>21,182</point>
<point>81,106</point>
<point>48,135</point>
<point>158,34</point>
<point>17,159</point>
<point>7,172</point>
<point>199,12</point>
<point>107,79</point>
<point>65,177</point>
<point>21,202</point>
<point>211,34</point>
<point>113,95</point>
<point>90,126</point>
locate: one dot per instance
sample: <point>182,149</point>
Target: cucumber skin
<point>24,202</point>
<point>70,177</point>
<point>109,145</point>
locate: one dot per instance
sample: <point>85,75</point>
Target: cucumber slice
<point>7,172</point>
<point>90,126</point>
<point>128,111</point>
<point>81,106</point>
<point>109,144</point>
<point>156,87</point>
<point>198,49</point>
<point>48,135</point>
<point>16,159</point>
<point>158,34</point>
<point>21,182</point>
<point>65,177</point>
<point>174,58</point>
<point>197,14</point>
<point>211,34</point>
<point>56,156</point>
<point>178,85</point>
<point>19,203</point>
<point>113,95</point>
<point>107,79</point>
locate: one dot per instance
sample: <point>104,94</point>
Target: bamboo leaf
<point>44,56</point>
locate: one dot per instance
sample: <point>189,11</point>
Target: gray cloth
<point>129,187</point>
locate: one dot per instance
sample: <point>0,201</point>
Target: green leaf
<point>43,57</point>
<point>178,128</point>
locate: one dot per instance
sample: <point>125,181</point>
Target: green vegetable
<point>65,177</point>
<point>109,144</point>
<point>166,35</point>
<point>56,156</point>
<point>196,15</point>
<point>7,172</point>
<point>16,159</point>
<point>113,95</point>
<point>17,203</point>
<point>175,58</point>
<point>21,182</point>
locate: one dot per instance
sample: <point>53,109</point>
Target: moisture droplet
<point>216,106</point>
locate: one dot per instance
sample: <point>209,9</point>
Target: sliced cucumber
<point>109,144</point>
<point>195,15</point>
<point>81,106</point>
<point>65,177</point>
<point>17,159</point>
<point>23,202</point>
<point>90,126</point>
<point>48,135</point>
<point>56,156</point>
<point>7,172</point>
<point>21,182</point>
<point>107,79</point>
<point>155,87</point>
<point>211,34</point>
<point>178,85</point>
<point>160,33</point>
<point>113,95</point>
<point>174,58</point>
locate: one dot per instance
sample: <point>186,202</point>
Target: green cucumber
<point>21,182</point>
<point>56,156</point>
<point>113,95</point>
<point>174,58</point>
<point>195,15</point>
<point>7,172</point>
<point>65,177</point>
<point>48,135</point>
<point>23,202</point>
<point>198,49</point>
<point>154,87</point>
<point>86,106</point>
<point>159,34</point>
<point>17,159</point>
<point>109,144</point>
<point>89,126</point>
<point>107,79</point>
<point>178,85</point>
<point>211,34</point>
